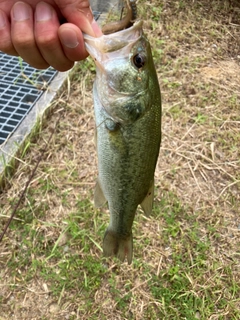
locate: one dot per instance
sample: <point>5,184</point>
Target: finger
<point>72,42</point>
<point>78,13</point>
<point>97,30</point>
<point>23,37</point>
<point>5,35</point>
<point>46,35</point>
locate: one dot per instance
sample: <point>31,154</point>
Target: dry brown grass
<point>186,256</point>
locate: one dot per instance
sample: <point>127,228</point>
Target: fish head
<point>124,66</point>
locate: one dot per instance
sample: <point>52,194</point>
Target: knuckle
<point>6,46</point>
<point>46,40</point>
<point>23,42</point>
<point>8,49</point>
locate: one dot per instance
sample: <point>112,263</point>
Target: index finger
<point>78,13</point>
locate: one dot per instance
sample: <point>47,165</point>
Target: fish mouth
<point>106,46</point>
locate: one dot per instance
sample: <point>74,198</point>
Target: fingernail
<point>43,12</point>
<point>69,39</point>
<point>21,11</point>
<point>2,20</point>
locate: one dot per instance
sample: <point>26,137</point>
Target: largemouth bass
<point>127,106</point>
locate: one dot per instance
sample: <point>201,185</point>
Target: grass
<point>186,255</point>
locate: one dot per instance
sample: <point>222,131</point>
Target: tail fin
<point>115,245</point>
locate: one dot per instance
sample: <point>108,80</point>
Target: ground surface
<point>187,254</point>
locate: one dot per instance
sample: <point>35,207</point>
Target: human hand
<point>31,29</point>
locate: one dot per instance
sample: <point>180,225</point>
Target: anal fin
<point>147,203</point>
<point>99,197</point>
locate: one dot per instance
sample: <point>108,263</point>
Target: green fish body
<point>127,105</point>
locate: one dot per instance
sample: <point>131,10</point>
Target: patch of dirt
<point>229,70</point>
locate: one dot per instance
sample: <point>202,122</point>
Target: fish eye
<point>139,60</point>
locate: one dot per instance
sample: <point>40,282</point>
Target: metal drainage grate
<point>20,87</point>
<point>15,71</point>
<point>15,103</point>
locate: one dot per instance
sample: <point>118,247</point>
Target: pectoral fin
<point>99,198</point>
<point>147,203</point>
